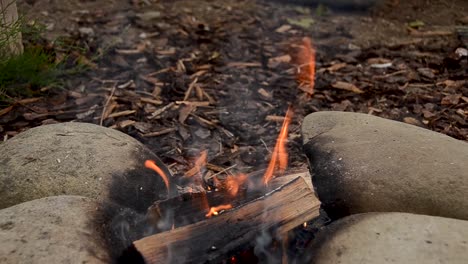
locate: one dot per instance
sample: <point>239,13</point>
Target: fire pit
<point>213,98</point>
<point>246,208</point>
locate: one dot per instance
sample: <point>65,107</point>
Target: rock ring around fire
<point>362,163</point>
<point>60,229</point>
<point>78,159</point>
<point>391,238</point>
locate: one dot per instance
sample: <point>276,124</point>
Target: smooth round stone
<point>391,238</point>
<point>362,163</point>
<point>60,229</point>
<point>78,159</point>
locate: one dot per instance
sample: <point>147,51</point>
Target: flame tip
<point>151,164</point>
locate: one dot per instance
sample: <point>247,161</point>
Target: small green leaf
<point>416,24</point>
<point>305,22</point>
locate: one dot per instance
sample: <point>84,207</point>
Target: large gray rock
<point>391,238</point>
<point>362,163</point>
<point>61,229</point>
<point>78,159</point>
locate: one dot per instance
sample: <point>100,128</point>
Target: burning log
<point>210,240</point>
<point>190,207</point>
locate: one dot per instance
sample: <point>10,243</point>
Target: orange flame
<point>233,183</point>
<point>307,61</point>
<point>152,165</point>
<point>279,157</point>
<point>215,210</point>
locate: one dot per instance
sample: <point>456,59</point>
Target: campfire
<point>225,217</point>
<point>186,138</point>
<point>219,221</point>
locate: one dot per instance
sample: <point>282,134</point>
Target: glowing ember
<point>233,183</point>
<point>307,67</point>
<point>215,210</point>
<point>279,157</point>
<point>152,165</point>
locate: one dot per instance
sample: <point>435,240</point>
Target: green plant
<point>42,64</point>
<point>24,74</point>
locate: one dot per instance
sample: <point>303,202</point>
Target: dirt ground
<point>185,76</point>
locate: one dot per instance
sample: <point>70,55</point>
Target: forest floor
<point>186,76</point>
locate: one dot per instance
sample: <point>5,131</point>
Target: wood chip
<point>203,121</point>
<point>109,109</point>
<point>161,110</point>
<point>170,51</point>
<point>373,109</point>
<point>122,113</point>
<point>129,84</point>
<point>452,99</point>
<point>158,72</point>
<point>125,123</point>
<point>29,100</point>
<point>283,28</point>
<point>151,80</point>
<point>216,168</point>
<point>185,111</point>
<point>273,62</point>
<point>159,133</point>
<point>274,118</point>
<point>6,110</point>
<point>88,113</point>
<point>412,121</point>
<point>128,51</point>
<point>336,67</point>
<point>199,92</point>
<point>151,101</point>
<point>203,103</point>
<point>190,88</point>
<point>244,64</point>
<point>265,94</point>
<point>209,97</point>
<point>198,74</point>
<point>347,86</point>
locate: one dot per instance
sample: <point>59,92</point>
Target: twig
<point>199,104</point>
<point>266,146</point>
<point>122,113</point>
<point>223,171</point>
<point>158,72</point>
<point>107,103</point>
<point>190,88</point>
<point>161,110</point>
<point>159,133</point>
